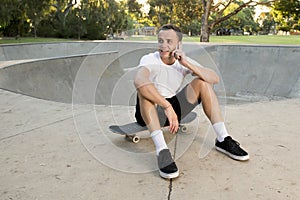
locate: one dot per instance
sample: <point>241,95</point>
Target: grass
<point>258,39</point>
<point>30,40</point>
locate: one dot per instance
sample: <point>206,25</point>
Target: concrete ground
<point>51,150</point>
<point>44,155</point>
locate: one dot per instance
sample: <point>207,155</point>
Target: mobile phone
<point>177,47</point>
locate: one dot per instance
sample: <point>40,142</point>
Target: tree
<point>134,16</point>
<point>267,23</point>
<point>184,13</point>
<point>287,14</point>
<point>13,17</point>
<point>91,19</point>
<point>161,12</point>
<point>6,8</point>
<point>219,9</point>
<point>239,23</point>
<point>134,8</point>
<point>76,22</point>
<point>35,11</point>
<point>104,17</point>
<point>62,10</point>
<point>288,8</point>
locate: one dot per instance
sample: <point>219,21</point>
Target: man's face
<point>167,43</point>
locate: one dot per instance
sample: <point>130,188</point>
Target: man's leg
<point>167,166</point>
<point>149,114</point>
<point>200,89</point>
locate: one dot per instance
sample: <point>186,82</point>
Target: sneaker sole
<point>169,176</point>
<point>240,158</point>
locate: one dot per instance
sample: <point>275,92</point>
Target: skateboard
<point>132,129</point>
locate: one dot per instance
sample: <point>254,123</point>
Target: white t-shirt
<point>166,78</point>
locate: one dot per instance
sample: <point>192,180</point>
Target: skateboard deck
<point>131,130</point>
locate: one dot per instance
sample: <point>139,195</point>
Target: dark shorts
<point>179,103</point>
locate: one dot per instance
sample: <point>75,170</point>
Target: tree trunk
<point>207,5</point>
<point>19,29</point>
<point>205,32</point>
<point>205,29</point>
<point>35,27</point>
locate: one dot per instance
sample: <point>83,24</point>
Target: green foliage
<point>288,8</point>
<point>287,14</point>
<point>241,22</point>
<point>160,11</point>
<point>134,8</point>
<point>284,28</point>
<point>91,19</point>
<point>184,13</point>
<point>99,19</point>
<point>267,23</point>
<point>296,27</point>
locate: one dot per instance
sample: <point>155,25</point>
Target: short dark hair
<point>171,27</point>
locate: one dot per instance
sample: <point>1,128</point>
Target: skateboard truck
<point>182,129</point>
<point>136,139</point>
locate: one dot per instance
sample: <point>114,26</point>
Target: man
<point>160,103</point>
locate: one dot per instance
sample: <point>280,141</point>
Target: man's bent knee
<point>196,88</point>
<point>200,84</point>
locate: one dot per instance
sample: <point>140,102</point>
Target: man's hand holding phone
<point>180,55</point>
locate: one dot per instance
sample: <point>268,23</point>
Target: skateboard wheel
<point>135,139</point>
<point>183,129</point>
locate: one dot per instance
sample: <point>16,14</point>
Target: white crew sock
<point>159,140</point>
<point>220,130</point>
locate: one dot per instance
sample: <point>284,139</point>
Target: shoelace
<point>233,143</point>
<point>236,142</point>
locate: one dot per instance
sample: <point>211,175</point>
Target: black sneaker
<point>232,148</point>
<point>166,164</point>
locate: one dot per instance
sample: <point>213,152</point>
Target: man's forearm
<point>150,92</point>
<point>204,74</point>
<point>146,88</point>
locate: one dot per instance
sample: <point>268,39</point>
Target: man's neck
<point>168,61</point>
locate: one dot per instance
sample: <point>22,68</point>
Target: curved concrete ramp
<point>64,49</point>
<point>262,70</point>
<point>107,77</point>
<point>94,76</point>
<point>50,79</point>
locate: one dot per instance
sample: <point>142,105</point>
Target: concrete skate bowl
<point>102,72</point>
